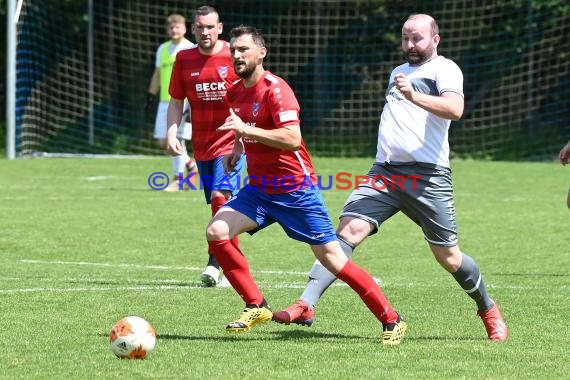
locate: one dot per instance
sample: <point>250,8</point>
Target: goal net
<point>83,71</point>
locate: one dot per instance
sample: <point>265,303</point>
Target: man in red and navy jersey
<point>202,75</point>
<point>264,114</point>
<point>269,104</point>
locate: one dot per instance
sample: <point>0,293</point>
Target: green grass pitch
<point>84,242</point>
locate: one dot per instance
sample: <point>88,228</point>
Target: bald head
<point>425,21</point>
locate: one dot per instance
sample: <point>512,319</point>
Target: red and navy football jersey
<point>204,81</point>
<point>271,104</point>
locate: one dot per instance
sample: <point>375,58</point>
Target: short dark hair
<point>252,31</point>
<point>205,10</point>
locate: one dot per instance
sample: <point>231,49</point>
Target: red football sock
<point>362,283</point>
<point>235,241</point>
<point>216,203</point>
<point>236,269</point>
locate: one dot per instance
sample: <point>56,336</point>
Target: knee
<point>329,264</point>
<point>217,230</point>
<point>354,230</point>
<point>220,193</point>
<point>330,256</point>
<point>448,257</point>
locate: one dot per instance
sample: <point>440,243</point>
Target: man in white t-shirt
<point>411,174</point>
<point>164,61</point>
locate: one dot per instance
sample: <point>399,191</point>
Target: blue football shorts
<point>424,194</point>
<point>301,213</point>
<point>214,177</point>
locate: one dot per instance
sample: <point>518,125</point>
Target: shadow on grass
<point>252,338</point>
<point>157,284</point>
<point>446,338</point>
<point>300,335</point>
<point>273,335</point>
<point>530,274</point>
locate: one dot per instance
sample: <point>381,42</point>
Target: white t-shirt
<point>407,133</point>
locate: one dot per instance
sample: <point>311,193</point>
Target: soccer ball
<point>132,338</point>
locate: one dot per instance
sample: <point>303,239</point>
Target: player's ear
<point>262,52</point>
<point>436,39</point>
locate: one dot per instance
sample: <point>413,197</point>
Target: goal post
<point>12,13</point>
<point>81,71</point>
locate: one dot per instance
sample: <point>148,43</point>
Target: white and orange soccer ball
<point>132,338</point>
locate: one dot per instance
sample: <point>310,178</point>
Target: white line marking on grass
<point>115,289</point>
<point>134,288</point>
<point>99,280</point>
<point>138,288</point>
<point>99,177</point>
<point>110,265</point>
<point>162,267</point>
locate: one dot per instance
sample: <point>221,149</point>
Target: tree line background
<point>514,55</point>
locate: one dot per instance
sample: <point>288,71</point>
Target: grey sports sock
<point>470,279</point>
<point>320,278</point>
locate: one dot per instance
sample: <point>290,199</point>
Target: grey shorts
<point>423,193</point>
